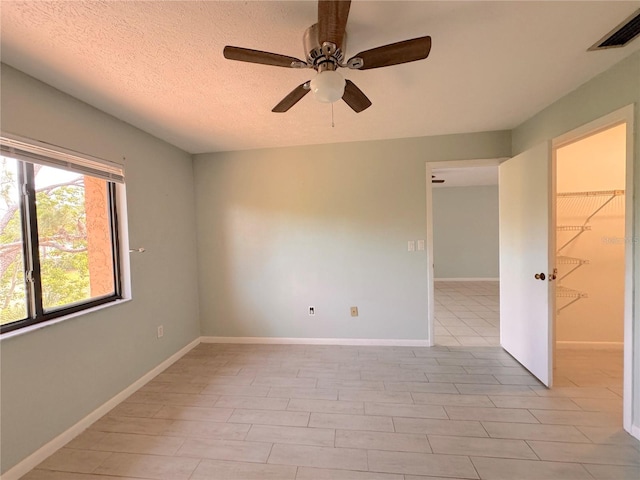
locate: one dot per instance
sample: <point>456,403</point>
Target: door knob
<point>553,275</point>
<point>540,276</point>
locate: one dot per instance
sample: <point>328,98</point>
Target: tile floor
<point>294,412</point>
<point>467,313</point>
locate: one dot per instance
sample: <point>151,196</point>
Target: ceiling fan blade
<point>257,56</point>
<point>354,97</point>
<point>332,20</point>
<point>294,97</point>
<point>395,53</point>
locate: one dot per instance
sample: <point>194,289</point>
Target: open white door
<point>527,260</point>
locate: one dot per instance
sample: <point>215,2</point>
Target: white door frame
<point>430,166</point>
<point>623,115</point>
<point>631,374</point>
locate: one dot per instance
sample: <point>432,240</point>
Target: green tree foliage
<point>63,246</point>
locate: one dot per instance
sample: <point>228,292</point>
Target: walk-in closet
<point>590,261</point>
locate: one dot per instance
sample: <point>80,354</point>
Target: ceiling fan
<point>324,43</point>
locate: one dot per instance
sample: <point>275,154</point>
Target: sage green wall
<point>326,225</point>
<point>53,377</point>
<point>617,87</point>
<point>465,232</point>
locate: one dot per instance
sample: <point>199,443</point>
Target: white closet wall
<point>591,181</point>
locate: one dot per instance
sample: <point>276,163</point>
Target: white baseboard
<point>568,345</point>
<point>318,341</point>
<point>65,437</point>
<point>635,431</point>
<point>469,279</point>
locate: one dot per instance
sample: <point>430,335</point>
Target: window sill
<point>54,321</point>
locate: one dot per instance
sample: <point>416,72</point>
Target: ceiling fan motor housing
<point>327,58</point>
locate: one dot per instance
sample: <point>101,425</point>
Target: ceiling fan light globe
<point>328,86</point>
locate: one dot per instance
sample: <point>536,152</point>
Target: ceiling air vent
<point>621,35</point>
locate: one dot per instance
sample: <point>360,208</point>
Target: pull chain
<point>332,124</point>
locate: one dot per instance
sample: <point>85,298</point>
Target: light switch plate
<point>411,246</point>
<point>420,244</point>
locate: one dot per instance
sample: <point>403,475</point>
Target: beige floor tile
<point>229,380</point>
<point>402,410</point>
<point>312,393</point>
<point>357,384</point>
<point>484,447</point>
<point>452,399</point>
<point>322,437</point>
<point>266,381</point>
<point>220,431</point>
<point>454,369</point>
<point>508,469</point>
<point>477,389</point>
<point>140,410</point>
<point>246,390</point>
<point>51,475</point>
<point>86,440</point>
<point>399,442</point>
<point>319,373</point>
<point>351,422</point>
<point>224,470</point>
<point>148,466</point>
<point>517,380</point>
<point>135,443</point>
<point>439,427</point>
<point>259,403</point>
<point>150,426</point>
<point>266,417</point>
<point>401,375</point>
<point>586,453</point>
<point>71,460</point>
<point>374,396</point>
<point>307,456</point>
<point>470,362</point>
<point>534,431</point>
<point>309,473</point>
<point>613,405</point>
<point>610,436</point>
<point>421,464</point>
<point>447,340</point>
<point>461,378</point>
<point>421,477</point>
<point>564,417</point>
<point>610,472</point>
<point>165,398</point>
<point>490,414</point>
<point>471,341</point>
<point>574,392</point>
<point>326,406</point>
<point>496,370</point>
<point>542,403</point>
<point>233,450</point>
<point>423,387</point>
<point>207,414</point>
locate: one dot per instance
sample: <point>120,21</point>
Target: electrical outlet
<point>160,331</point>
<point>312,311</point>
<point>354,311</point>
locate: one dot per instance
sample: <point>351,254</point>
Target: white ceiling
<point>159,66</point>
<point>466,176</point>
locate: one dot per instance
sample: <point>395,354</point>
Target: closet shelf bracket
<point>574,295</point>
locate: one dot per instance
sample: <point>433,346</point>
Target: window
<point>58,233</point>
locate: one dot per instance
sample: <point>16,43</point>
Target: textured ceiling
<point>159,66</point>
